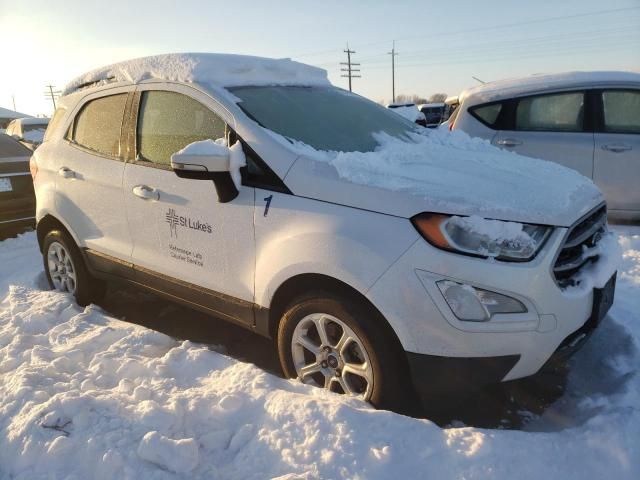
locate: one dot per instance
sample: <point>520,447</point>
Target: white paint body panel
<point>251,251</point>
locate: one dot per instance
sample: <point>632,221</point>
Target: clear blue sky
<point>441,44</point>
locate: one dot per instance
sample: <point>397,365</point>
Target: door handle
<point>146,192</point>
<point>66,172</point>
<point>617,147</point>
<point>509,142</point>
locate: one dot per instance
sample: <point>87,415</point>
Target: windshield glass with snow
<point>323,117</point>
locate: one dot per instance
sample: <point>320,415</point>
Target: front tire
<point>344,345</point>
<point>66,271</point>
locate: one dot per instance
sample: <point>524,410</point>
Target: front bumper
<point>507,347</point>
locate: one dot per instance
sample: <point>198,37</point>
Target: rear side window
<point>487,114</point>
<point>169,121</point>
<point>55,122</point>
<point>621,111</point>
<point>97,126</point>
<point>562,112</point>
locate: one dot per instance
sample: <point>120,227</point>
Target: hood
<point>445,172</point>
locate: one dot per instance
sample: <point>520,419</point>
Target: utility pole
<point>13,98</point>
<point>393,70</point>
<point>52,94</point>
<point>350,66</point>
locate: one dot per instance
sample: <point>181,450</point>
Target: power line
<point>350,70</point>
<point>52,94</point>
<point>486,28</point>
<point>393,71</point>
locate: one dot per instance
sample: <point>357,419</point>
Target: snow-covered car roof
<point>33,121</point>
<point>431,105</point>
<point>223,70</point>
<point>535,83</point>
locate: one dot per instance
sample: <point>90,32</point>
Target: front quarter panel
<point>296,235</point>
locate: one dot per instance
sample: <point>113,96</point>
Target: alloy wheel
<point>328,354</point>
<point>61,268</point>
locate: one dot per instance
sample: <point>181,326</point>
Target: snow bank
<point>223,70</point>
<point>83,395</point>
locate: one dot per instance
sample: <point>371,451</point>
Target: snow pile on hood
<point>83,395</point>
<point>411,113</point>
<point>223,70</point>
<point>35,136</point>
<point>450,172</point>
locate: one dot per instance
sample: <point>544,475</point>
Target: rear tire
<point>66,271</point>
<point>357,354</point>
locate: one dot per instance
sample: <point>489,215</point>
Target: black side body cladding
<point>240,312</point>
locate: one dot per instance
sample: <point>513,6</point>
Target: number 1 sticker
<point>266,207</point>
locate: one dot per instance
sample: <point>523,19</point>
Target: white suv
<point>470,268</point>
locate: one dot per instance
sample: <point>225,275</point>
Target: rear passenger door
<point>184,239</point>
<point>553,127</point>
<point>617,153</point>
<point>90,167</point>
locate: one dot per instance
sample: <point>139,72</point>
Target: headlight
<point>481,237</point>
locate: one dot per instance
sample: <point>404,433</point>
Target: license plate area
<point>603,299</point>
<point>5,185</point>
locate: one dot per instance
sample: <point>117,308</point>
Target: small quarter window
<point>561,112</point>
<point>97,126</point>
<point>169,121</point>
<point>621,111</point>
<point>487,114</point>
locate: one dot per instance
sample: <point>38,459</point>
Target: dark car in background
<point>17,198</point>
<point>433,113</point>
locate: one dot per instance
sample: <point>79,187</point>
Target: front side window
<point>621,111</point>
<point>562,112</point>
<point>97,126</point>
<point>487,114</point>
<point>169,121</point>
<point>325,118</point>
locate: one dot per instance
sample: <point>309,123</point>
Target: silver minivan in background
<point>588,121</point>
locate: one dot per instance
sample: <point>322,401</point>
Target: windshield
<point>325,118</point>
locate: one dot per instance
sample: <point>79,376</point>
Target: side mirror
<point>207,160</point>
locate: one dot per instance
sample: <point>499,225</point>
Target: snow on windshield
<point>211,68</point>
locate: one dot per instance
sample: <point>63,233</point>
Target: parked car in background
<point>588,121</point>
<point>28,131</point>
<point>6,116</point>
<point>433,113</point>
<point>17,199</point>
<point>410,112</point>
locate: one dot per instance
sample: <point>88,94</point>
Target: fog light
<point>473,304</point>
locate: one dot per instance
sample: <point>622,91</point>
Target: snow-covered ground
<point>83,395</point>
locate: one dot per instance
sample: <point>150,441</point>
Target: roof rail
<point>94,83</point>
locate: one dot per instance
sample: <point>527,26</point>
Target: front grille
<point>574,253</point>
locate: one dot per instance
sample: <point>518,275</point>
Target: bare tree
<point>437,97</point>
<point>413,98</point>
